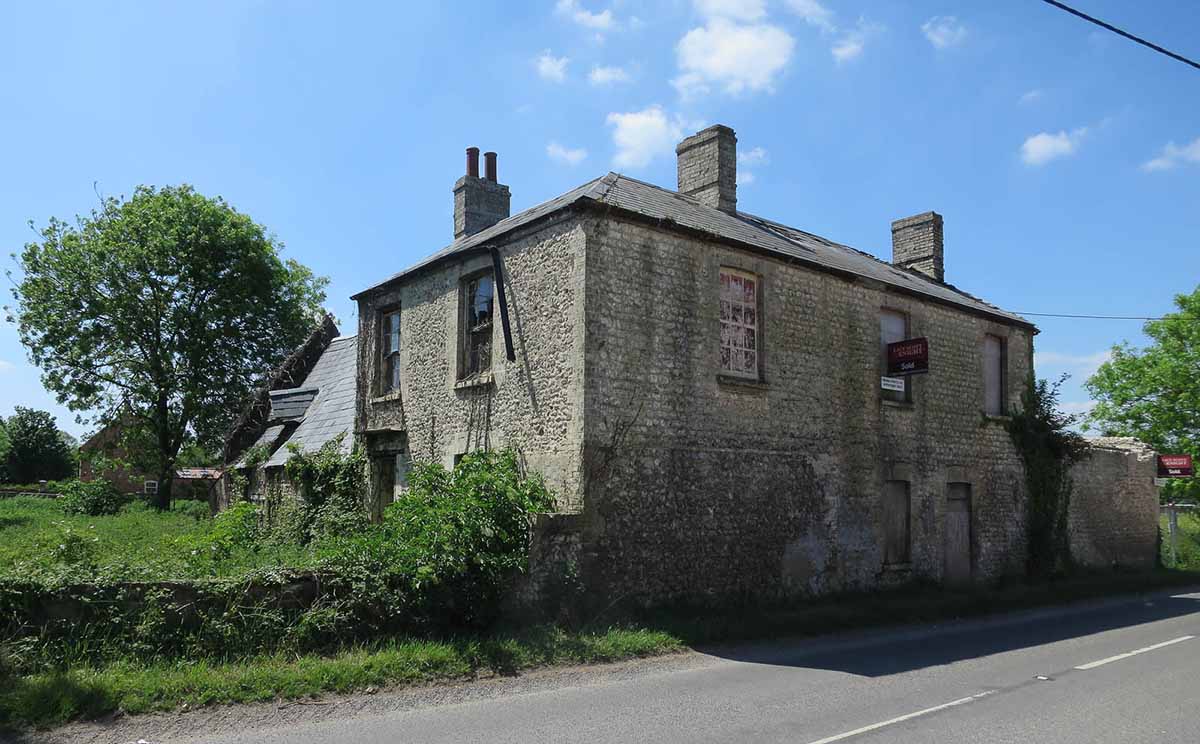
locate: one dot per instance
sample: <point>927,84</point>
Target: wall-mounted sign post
<point>910,357</point>
<point>1175,466</point>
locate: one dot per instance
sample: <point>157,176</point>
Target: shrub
<point>449,543</point>
<point>235,527</point>
<point>332,486</point>
<point>91,498</point>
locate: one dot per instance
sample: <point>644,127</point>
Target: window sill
<point>991,419</point>
<point>897,566</point>
<point>482,380</point>
<point>903,405</point>
<point>386,397</point>
<point>743,383</point>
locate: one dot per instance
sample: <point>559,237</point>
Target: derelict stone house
<point>702,387</point>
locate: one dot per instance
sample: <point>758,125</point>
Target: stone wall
<point>533,404</point>
<point>1114,506</point>
<point>698,486</point>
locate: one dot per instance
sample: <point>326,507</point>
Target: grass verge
<point>56,697</point>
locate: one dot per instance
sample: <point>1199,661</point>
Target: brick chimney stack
<point>917,244</point>
<point>707,167</point>
<point>479,203</point>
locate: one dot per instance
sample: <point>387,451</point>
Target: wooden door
<point>957,552</point>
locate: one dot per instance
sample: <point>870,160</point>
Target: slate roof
<point>330,410</point>
<point>669,207</point>
<point>291,404</point>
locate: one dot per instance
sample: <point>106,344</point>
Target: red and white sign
<point>910,357</point>
<point>1175,466</point>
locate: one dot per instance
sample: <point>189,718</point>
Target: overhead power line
<point>1092,317</point>
<point>1126,34</point>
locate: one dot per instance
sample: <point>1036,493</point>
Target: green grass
<point>56,697</point>
<point>1187,542</point>
<point>38,540</point>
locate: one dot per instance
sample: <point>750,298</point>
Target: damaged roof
<point>317,410</point>
<point>672,209</point>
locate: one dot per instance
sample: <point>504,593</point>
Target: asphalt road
<point>1117,672</point>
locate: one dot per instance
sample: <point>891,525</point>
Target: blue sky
<point>1065,159</point>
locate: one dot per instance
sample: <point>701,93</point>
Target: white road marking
<point>1118,657</point>
<point>901,719</point>
<point>973,698</point>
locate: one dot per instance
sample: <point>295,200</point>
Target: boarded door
<point>957,571</point>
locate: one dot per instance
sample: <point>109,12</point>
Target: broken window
<point>893,327</point>
<point>740,348</point>
<point>895,522</point>
<point>993,375</point>
<point>389,372</point>
<point>477,326</point>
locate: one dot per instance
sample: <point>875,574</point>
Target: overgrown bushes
<point>439,561</point>
<point>92,498</point>
<point>1048,449</point>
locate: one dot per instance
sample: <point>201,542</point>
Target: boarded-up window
<point>740,348</point>
<point>956,568</point>
<point>389,332</point>
<point>477,326</point>
<point>893,327</point>
<point>993,375</point>
<point>895,522</point>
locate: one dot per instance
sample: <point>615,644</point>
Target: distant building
<point>105,447</point>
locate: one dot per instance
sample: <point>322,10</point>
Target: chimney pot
<point>473,162</point>
<point>706,165</point>
<point>489,165</point>
<point>918,244</point>
<point>479,203</point>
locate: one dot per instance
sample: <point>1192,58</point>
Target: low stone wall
<point>1114,506</point>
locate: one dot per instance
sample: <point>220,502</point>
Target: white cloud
<point>814,13</point>
<point>735,58</point>
<point>745,160</point>
<point>1078,365</point>
<point>851,45</point>
<point>607,75</point>
<point>753,156</point>
<point>640,136</point>
<point>5,366</point>
<point>1043,147</point>
<point>736,10</point>
<point>602,21</point>
<point>552,68</point>
<point>1031,96</point>
<point>565,155</point>
<point>1173,155</point>
<point>944,31</point>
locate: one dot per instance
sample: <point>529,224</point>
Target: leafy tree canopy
<point>34,449</point>
<point>163,311</point>
<point>1154,393</point>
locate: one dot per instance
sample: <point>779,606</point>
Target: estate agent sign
<point>1175,466</point>
<point>910,357</point>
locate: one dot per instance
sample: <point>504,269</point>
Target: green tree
<point>36,450</point>
<point>1154,393</point>
<point>3,451</point>
<point>167,308</point>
